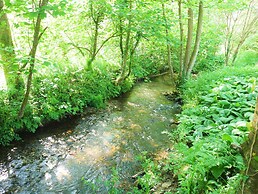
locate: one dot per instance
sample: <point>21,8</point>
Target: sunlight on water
<point>62,172</point>
<point>3,176</point>
<point>92,146</point>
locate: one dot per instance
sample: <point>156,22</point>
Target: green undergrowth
<point>58,93</point>
<point>215,121</point>
<point>206,79</point>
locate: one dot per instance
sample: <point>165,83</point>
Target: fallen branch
<point>157,75</point>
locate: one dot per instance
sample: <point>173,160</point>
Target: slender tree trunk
<point>11,68</point>
<point>121,31</point>
<point>249,26</point>
<point>189,41</point>
<point>132,51</point>
<point>197,40</point>
<point>237,51</point>
<point>181,38</point>
<point>32,56</point>
<point>255,119</point>
<point>125,54</point>
<point>168,45</point>
<point>230,31</point>
<point>95,44</point>
<point>126,48</point>
<point>247,30</point>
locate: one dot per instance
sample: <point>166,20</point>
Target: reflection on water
<point>78,156</point>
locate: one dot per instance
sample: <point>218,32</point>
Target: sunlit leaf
<point>227,137</point>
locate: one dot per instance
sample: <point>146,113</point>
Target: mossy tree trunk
<point>124,47</point>
<point>14,81</point>
<point>181,37</point>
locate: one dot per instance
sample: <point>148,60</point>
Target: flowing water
<point>79,155</point>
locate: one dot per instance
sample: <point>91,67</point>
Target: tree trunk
<point>197,40</point>
<point>255,119</point>
<point>248,24</point>
<point>11,68</point>
<point>181,38</point>
<point>189,41</point>
<point>94,45</point>
<point>125,55</point>
<point>32,56</point>
<point>125,49</point>
<point>237,51</point>
<point>229,35</point>
<point>247,30</point>
<point>168,45</point>
<point>132,51</point>
<point>250,151</point>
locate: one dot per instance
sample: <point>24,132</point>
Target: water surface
<point>81,154</point>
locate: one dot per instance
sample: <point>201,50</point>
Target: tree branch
<point>42,32</point>
<point>106,40</point>
<point>78,47</point>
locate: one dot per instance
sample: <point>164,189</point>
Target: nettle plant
<point>211,132</point>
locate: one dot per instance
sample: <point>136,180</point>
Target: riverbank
<point>206,155</point>
<point>91,153</point>
<point>64,92</point>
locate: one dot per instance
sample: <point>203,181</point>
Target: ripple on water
<point>78,157</point>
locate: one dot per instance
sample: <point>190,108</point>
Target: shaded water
<point>78,156</point>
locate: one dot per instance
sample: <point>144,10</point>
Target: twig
<point>42,32</point>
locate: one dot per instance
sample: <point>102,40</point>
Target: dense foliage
<point>60,57</point>
<point>56,95</point>
<point>214,123</point>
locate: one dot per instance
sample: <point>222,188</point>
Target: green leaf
<point>217,171</point>
<point>43,15</point>
<point>237,131</point>
<point>241,124</point>
<point>227,137</point>
<point>248,115</point>
<point>249,126</point>
<point>46,63</point>
<point>225,120</point>
<point>224,103</point>
<point>255,158</point>
<point>32,15</point>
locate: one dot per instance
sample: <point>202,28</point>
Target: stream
<point>81,155</point>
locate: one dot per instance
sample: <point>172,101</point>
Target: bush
<point>56,94</point>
